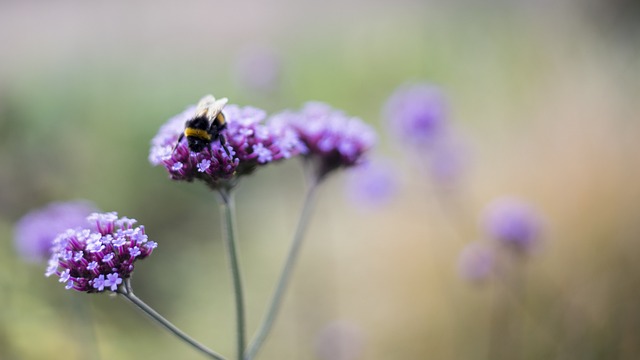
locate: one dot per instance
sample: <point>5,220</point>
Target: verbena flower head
<point>417,113</point>
<point>101,256</point>
<point>513,223</point>
<point>250,142</point>
<point>476,262</point>
<point>373,183</point>
<point>34,232</point>
<point>333,139</point>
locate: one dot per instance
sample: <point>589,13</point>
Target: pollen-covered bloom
<point>333,139</point>
<point>251,143</point>
<point>100,256</point>
<point>34,232</point>
<point>513,223</point>
<point>417,113</point>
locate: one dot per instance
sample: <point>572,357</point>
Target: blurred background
<point>545,96</point>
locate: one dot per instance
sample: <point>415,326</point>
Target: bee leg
<point>178,142</point>
<point>223,141</point>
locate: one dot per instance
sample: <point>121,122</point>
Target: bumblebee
<point>206,125</point>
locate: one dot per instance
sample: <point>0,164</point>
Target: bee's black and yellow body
<point>200,132</point>
<point>206,126</point>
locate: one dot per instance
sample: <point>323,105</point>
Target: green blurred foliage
<point>546,99</point>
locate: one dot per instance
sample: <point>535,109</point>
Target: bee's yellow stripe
<point>200,134</point>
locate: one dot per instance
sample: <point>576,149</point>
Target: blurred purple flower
<point>417,113</point>
<point>250,142</point>
<point>35,232</point>
<point>340,340</point>
<point>333,139</point>
<point>258,68</point>
<point>373,183</point>
<point>99,256</point>
<point>513,223</point>
<point>476,262</point>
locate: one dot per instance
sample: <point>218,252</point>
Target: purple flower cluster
<point>34,232</point>
<point>99,257</point>
<point>333,139</point>
<point>513,223</point>
<point>250,142</point>
<point>417,113</point>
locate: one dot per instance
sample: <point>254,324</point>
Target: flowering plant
<point>97,252</point>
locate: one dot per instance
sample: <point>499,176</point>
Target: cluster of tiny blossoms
<point>250,143</point>
<point>99,257</point>
<point>334,139</point>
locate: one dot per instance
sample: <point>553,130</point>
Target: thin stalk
<point>228,210</point>
<point>285,275</point>
<point>127,292</point>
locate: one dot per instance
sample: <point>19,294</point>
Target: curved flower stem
<point>285,275</point>
<point>228,209</point>
<point>127,292</point>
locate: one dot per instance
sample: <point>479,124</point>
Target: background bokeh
<point>545,93</point>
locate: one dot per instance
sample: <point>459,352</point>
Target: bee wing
<point>216,107</point>
<point>204,104</point>
<point>210,107</point>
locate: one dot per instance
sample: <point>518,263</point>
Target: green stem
<point>228,209</point>
<point>285,275</point>
<point>127,292</point>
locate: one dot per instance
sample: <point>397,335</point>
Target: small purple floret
<point>204,165</point>
<point>134,251</point>
<point>113,280</point>
<point>64,277</point>
<point>91,260</point>
<point>98,283</point>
